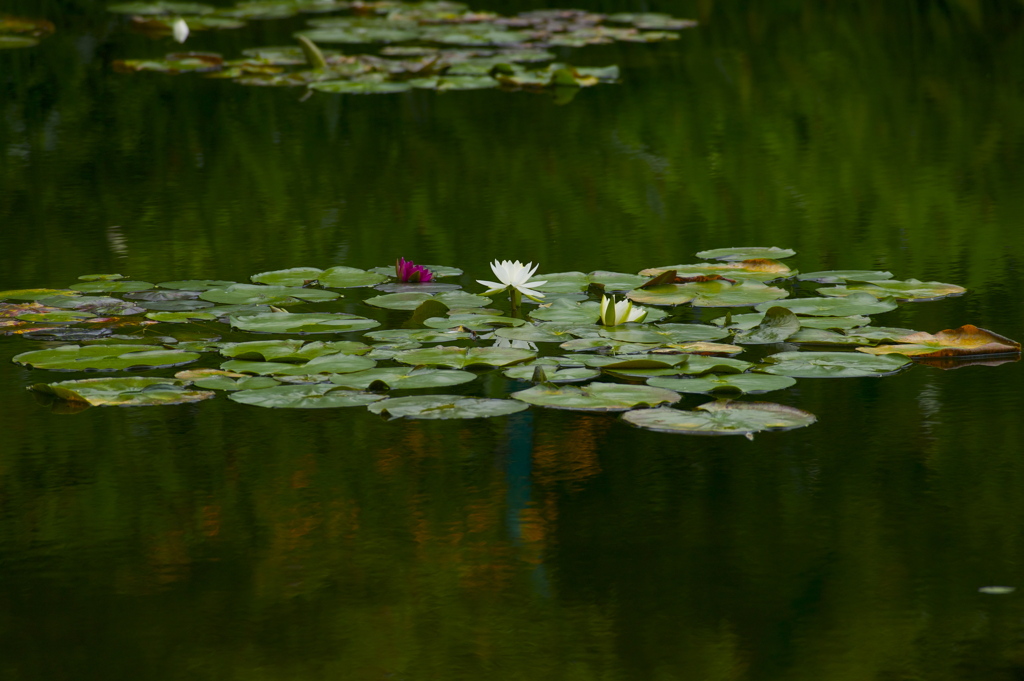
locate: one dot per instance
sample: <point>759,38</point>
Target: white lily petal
<point>529,292</point>
<point>492,284</point>
<point>180,30</point>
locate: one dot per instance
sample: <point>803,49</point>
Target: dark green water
<point>218,541</point>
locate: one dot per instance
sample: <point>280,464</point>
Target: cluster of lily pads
<point>18,32</point>
<point>386,332</point>
<point>427,45</point>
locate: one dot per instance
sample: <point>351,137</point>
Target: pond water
<point>223,541</point>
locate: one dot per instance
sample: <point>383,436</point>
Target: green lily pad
<point>317,396</point>
<point>173,305</point>
<point>722,418</point>
<point>412,300</point>
<point>196,284</point>
<point>652,20</point>
<point>709,294</point>
<point>294,276</point>
<point>568,312</point>
<point>684,365</point>
<point>664,333</point>
<point>131,391</point>
<point>355,87</point>
<point>839,276</point>
<point>607,346</point>
<point>563,282</point>
<point>417,336</point>
<point>349,277</point>
<point>179,62</point>
<point>290,350</point>
<point>615,282</point>
<point>778,325</point>
<point>360,35</point>
<point>445,407</point>
<point>596,396</point>
<point>337,363</point>
<point>311,322</point>
<point>724,383</point>
<point>743,322</point>
<point>762,270</point>
<point>230,384</point>
<point>547,332</point>
<point>460,358</point>
<point>103,358</point>
<point>551,374</point>
<point>747,253</point>
<point>453,83</point>
<point>101,277</point>
<point>910,290</point>
<point>832,364</point>
<point>107,286</point>
<point>256,294</point>
<point>161,7</point>
<point>403,378</point>
<point>13,42</point>
<point>473,322</point>
<point>857,303</point>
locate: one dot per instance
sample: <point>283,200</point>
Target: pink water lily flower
<point>409,272</point>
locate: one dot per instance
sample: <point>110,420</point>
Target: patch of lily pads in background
<point>311,338</point>
<point>442,46</point>
<point>18,32</point>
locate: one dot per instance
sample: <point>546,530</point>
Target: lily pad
<point>839,276</point>
<point>108,286</point>
<point>743,322</point>
<point>910,290</point>
<point>103,358</point>
<point>473,322</point>
<point>196,284</point>
<point>596,396</point>
<point>230,384</point>
<point>967,341</point>
<point>403,378</point>
<point>161,7</point>
<point>551,374</point>
<point>724,383</point>
<point>256,294</point>
<point>349,277</point>
<point>439,271</point>
<point>445,407</point>
<point>857,303</point>
<point>709,294</point>
<point>417,336</point>
<point>563,282</point>
<point>337,363</point>
<point>36,293</point>
<point>453,83</point>
<point>310,322</point>
<point>615,282</point>
<point>548,332</point>
<point>664,333</point>
<point>412,300</point>
<point>762,270</point>
<point>460,358</point>
<point>747,253</point>
<point>56,317</point>
<point>683,365</point>
<point>290,350</point>
<point>722,418</point>
<point>568,312</point>
<point>131,391</point>
<point>778,325</point>
<point>832,364</point>
<point>316,396</point>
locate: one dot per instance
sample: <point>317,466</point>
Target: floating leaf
<point>288,322</point>
<point>294,276</point>
<point>563,282</point>
<point>58,317</point>
<point>709,294</point>
<point>614,282</point>
<point>349,277</point>
<point>832,364</point>
<point>664,333</point>
<point>317,396</point>
<point>548,332</point>
<point>227,383</point>
<point>568,312</point>
<point>778,325</point>
<point>596,396</point>
<point>744,322</point>
<point>966,341</point>
<point>417,336</point>
<point>652,20</point>
<point>412,300</point>
<point>131,391</point>
<point>445,407</point>
<point>183,62</point>
<point>724,383</point>
<point>36,293</point>
<point>552,374</point>
<point>403,378</point>
<point>256,294</point>
<point>909,290</point>
<point>858,303</point>
<point>746,270</point>
<point>473,322</point>
<point>161,7</point>
<point>460,358</point>
<point>103,358</point>
<point>437,270</point>
<point>997,590</point>
<point>839,276</point>
<point>107,286</point>
<point>196,284</point>
<point>453,83</point>
<point>337,363</point>
<point>682,365</point>
<point>290,350</point>
<point>722,418</point>
<point>747,253</point>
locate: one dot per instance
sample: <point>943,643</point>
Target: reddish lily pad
<point>966,341</point>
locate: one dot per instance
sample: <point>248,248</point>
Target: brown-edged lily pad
<point>967,341</point>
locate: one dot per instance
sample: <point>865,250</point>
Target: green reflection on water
<point>212,542</point>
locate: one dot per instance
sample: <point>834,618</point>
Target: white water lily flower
<point>180,30</point>
<point>515,275</point>
<point>615,313</point>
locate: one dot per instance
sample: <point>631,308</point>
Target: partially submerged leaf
<point>840,276</point>
<point>403,378</point>
<point>463,357</point>
<point>724,383</point>
<point>316,396</point>
<point>103,358</point>
<point>832,364</point>
<point>857,303</point>
<point>130,391</point>
<point>310,322</point>
<point>747,253</point>
<point>778,325</point>
<point>909,290</point>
